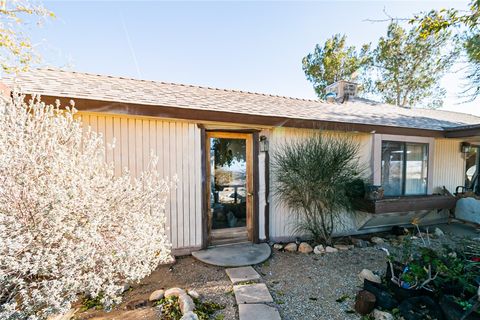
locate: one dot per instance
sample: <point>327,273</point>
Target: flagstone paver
<point>258,311</point>
<point>252,293</point>
<point>242,274</point>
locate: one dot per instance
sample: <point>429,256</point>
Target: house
<point>217,142</point>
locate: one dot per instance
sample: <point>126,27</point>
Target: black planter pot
<point>453,311</point>
<point>452,289</point>
<point>420,308</point>
<point>401,293</point>
<point>384,299</point>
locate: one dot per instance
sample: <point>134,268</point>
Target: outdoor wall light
<point>466,147</point>
<point>263,144</point>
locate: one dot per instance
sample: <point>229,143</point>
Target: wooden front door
<point>230,185</point>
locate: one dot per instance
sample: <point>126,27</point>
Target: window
<point>404,168</point>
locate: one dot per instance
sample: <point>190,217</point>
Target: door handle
<point>249,194</point>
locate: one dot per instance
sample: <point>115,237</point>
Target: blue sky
<point>253,46</point>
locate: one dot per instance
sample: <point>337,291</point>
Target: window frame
<point>377,159</point>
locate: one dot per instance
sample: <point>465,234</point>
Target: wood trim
<point>267,195</point>
<point>205,187</point>
<point>406,204</point>
<point>463,132</point>
<point>136,109</point>
<point>255,189</point>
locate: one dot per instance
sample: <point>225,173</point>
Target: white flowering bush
<point>68,226</point>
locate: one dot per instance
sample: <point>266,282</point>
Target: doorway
<point>230,187</point>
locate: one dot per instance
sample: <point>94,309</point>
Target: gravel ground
<point>307,286</point>
<point>210,282</point>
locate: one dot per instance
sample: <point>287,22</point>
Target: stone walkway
<point>251,295</point>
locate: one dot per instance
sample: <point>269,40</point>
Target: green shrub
<point>314,179</point>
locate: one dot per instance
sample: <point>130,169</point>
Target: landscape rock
<point>439,233</point>
<point>136,304</point>
<point>174,292</point>
<point>189,316</point>
<point>329,249</point>
<point>156,295</point>
<point>186,303</point>
<point>360,243</point>
<point>305,248</point>
<point>382,315</point>
<point>194,294</point>
<point>343,247</point>
<point>365,302</point>
<point>369,275</point>
<point>319,249</point>
<point>278,246</point>
<point>291,247</point>
<point>377,240</point>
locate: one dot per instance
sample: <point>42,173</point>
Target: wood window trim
<point>377,156</point>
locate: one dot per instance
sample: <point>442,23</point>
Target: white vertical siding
<point>449,165</point>
<point>280,223</point>
<point>177,144</point>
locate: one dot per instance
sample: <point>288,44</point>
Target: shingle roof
<point>78,85</point>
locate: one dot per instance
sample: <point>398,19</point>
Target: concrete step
<point>242,274</point>
<point>257,312</point>
<point>252,293</point>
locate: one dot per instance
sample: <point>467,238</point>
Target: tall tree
<point>406,68</point>
<point>465,24</point>
<point>332,62</point>
<point>16,50</point>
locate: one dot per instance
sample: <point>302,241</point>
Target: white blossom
<point>68,226</point>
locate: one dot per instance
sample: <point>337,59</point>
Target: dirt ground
<point>210,282</point>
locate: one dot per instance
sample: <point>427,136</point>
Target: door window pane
<point>416,168</point>
<point>392,167</point>
<point>228,179</point>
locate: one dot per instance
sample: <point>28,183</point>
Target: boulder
<point>278,246</point>
<point>305,248</point>
<point>329,249</point>
<point>174,292</point>
<point>377,240</point>
<point>382,315</point>
<point>156,295</point>
<point>319,249</point>
<point>369,275</point>
<point>186,303</point>
<point>291,247</point>
<point>189,316</point>
<point>194,294</point>
<point>364,302</point>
